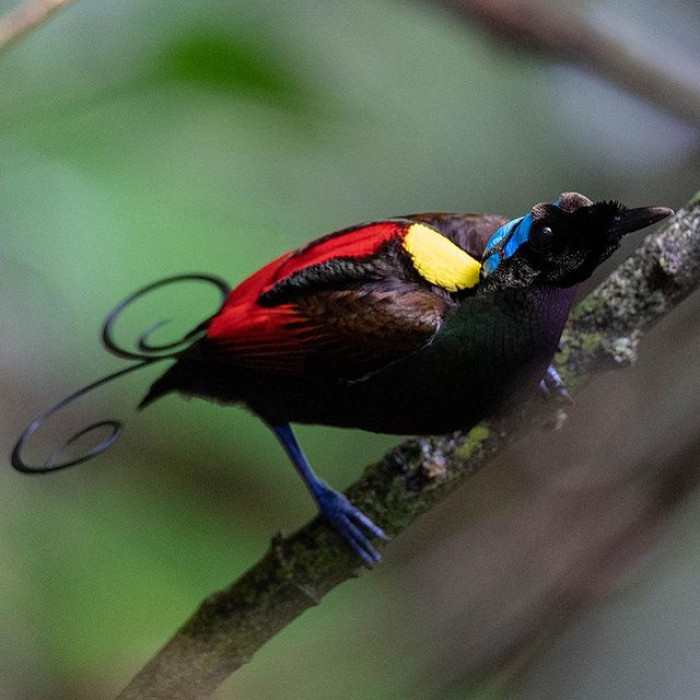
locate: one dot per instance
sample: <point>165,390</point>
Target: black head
<point>561,243</point>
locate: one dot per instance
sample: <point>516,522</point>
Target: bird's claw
<point>351,524</point>
<point>552,386</point>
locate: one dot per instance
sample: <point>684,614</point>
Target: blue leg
<point>345,518</point>
<point>552,385</point>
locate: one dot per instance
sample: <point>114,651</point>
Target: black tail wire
<point>146,354</point>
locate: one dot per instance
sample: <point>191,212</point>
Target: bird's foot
<point>351,523</point>
<point>552,386</point>
<point>554,390</point>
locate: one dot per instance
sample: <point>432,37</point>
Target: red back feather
<point>269,337</point>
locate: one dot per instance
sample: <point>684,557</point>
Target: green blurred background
<point>143,139</point>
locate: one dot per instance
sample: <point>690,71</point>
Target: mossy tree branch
<point>603,332</point>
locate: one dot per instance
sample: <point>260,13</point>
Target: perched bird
<point>420,324</point>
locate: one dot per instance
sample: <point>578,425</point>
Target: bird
<point>417,324</point>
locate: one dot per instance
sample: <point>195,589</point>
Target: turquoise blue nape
<point>520,235</point>
<point>505,242</point>
<point>491,263</point>
<point>504,232</point>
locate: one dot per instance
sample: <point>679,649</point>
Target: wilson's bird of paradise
<point>419,324</point>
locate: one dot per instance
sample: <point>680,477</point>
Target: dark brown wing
<point>351,333</point>
<point>346,316</point>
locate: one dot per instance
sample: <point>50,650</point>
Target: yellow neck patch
<point>438,260</point>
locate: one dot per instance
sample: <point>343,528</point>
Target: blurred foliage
<point>231,65</point>
<point>142,139</point>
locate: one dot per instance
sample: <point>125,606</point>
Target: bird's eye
<point>541,237</point>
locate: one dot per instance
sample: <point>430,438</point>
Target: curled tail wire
<point>146,354</point>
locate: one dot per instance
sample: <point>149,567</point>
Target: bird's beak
<point>633,219</point>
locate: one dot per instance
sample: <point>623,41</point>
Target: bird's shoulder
<point>354,300</point>
<point>470,232</point>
